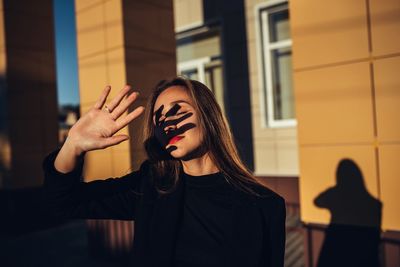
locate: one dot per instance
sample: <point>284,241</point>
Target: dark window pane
<point>278,20</point>
<point>281,60</point>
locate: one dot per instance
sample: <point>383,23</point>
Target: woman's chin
<point>185,153</point>
<point>178,153</point>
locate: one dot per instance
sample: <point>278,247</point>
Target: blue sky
<point>66,53</point>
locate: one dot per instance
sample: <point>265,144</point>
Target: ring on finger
<point>106,108</point>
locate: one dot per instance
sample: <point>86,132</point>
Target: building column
<point>122,42</point>
<point>28,112</point>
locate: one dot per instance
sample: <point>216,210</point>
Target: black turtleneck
<point>207,221</point>
<point>220,226</point>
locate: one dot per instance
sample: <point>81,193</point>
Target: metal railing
<point>384,242</point>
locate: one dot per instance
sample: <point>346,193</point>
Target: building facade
<point>309,88</point>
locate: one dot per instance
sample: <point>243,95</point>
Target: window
<point>277,64</point>
<point>199,58</point>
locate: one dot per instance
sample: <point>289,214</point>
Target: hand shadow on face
<point>164,136</point>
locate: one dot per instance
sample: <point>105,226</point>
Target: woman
<point>193,201</point>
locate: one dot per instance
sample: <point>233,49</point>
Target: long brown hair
<point>217,139</point>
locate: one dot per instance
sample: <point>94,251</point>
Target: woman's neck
<point>199,166</point>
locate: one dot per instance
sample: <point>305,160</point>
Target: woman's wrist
<point>71,148</point>
<point>67,157</point>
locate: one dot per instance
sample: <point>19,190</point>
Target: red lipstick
<point>175,139</point>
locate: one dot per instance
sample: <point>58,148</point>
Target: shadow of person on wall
<point>352,237</point>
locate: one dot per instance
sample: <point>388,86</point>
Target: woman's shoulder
<point>269,202</point>
<point>145,165</point>
<point>260,195</point>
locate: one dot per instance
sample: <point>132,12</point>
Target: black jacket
<point>133,197</point>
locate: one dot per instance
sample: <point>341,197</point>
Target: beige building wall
<point>188,14</point>
<point>347,98</point>
<point>275,149</point>
<point>121,42</point>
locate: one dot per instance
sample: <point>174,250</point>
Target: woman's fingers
<point>121,108</point>
<point>178,120</point>
<point>117,100</point>
<point>130,117</point>
<point>114,140</point>
<point>98,129</point>
<point>103,97</point>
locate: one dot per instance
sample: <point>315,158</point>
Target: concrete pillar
<point>122,42</point>
<point>28,113</point>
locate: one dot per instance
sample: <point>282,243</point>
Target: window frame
<point>195,64</point>
<point>264,48</point>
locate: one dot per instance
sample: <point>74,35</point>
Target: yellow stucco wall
<point>347,98</point>
<point>101,61</point>
<point>120,42</point>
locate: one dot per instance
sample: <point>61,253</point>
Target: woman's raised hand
<point>96,128</point>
